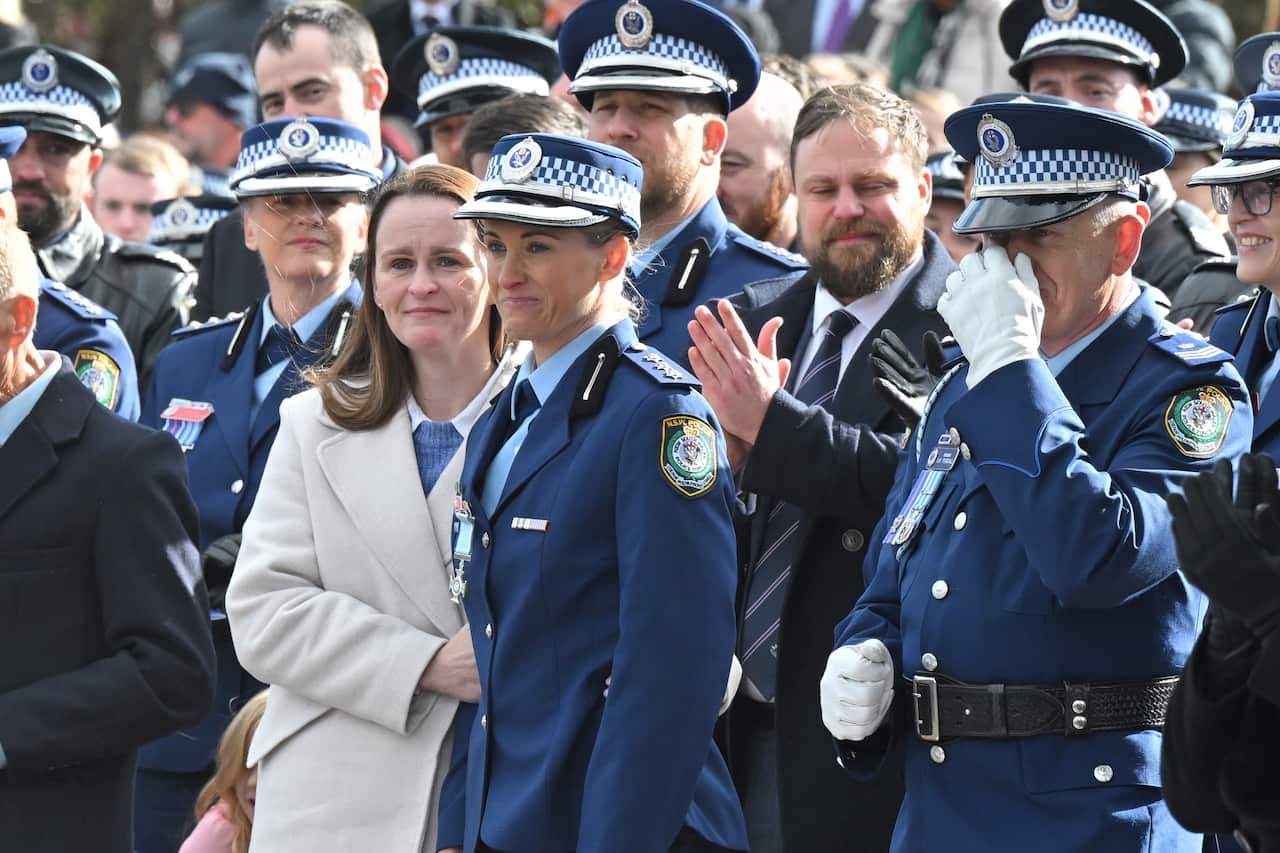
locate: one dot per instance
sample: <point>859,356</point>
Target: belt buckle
<point>922,685</point>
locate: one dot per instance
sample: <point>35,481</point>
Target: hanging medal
<point>941,460</point>
<point>463,530</point>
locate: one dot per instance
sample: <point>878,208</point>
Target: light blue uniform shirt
<point>308,324</point>
<point>543,379</point>
<point>1059,362</point>
<point>650,253</point>
<point>14,412</point>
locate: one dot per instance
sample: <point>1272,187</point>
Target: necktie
<point>281,343</point>
<point>841,20</point>
<point>495,478</point>
<point>526,403</point>
<point>1271,333</point>
<point>770,572</point>
<point>434,444</point>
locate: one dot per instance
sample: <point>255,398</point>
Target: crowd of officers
<point>990,427</point>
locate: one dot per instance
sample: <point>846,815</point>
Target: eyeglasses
<point>1256,195</point>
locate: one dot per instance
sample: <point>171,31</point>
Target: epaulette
<point>81,306</point>
<point>212,323</point>
<point>658,367</point>
<point>1187,348</point>
<point>142,251</point>
<point>1227,265</point>
<point>1203,235</point>
<point>774,253</point>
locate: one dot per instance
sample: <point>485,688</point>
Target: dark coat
<point>1221,745</point>
<point>104,615</point>
<point>842,475</point>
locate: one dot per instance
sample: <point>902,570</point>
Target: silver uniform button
<point>484,721</point>
<point>929,661</point>
<point>965,452</point>
<point>852,540</point>
<point>237,487</point>
<point>940,590</point>
<point>484,540</point>
<point>1103,773</point>
<point>937,754</point>
<point>488,631</point>
<point>960,520</point>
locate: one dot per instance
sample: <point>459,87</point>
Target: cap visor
<point>685,84</point>
<point>516,210</point>
<point>1234,172</point>
<point>53,124</point>
<point>294,184</point>
<point>1021,70</point>
<point>984,215</point>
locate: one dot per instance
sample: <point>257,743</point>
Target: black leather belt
<point>946,708</point>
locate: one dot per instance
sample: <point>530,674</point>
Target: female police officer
<point>593,545</point>
<point>218,389</point>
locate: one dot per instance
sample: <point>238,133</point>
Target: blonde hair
<point>233,753</point>
<point>150,156</point>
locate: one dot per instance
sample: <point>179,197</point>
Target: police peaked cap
<point>48,88</point>
<point>677,46</point>
<point>455,70</point>
<point>1035,164</point>
<point>1257,63</point>
<point>1195,119</point>
<point>1128,32</point>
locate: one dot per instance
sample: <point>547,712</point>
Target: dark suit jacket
<point>840,468</point>
<point>231,275</point>
<point>103,618</point>
<point>794,20</point>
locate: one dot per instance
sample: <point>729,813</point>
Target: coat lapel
<point>374,475</point>
<point>652,283</point>
<point>548,435</point>
<point>230,392</point>
<point>31,452</point>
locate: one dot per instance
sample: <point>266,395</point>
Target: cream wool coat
<point>339,600</point>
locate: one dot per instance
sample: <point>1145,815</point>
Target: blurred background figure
<point>516,114</point>
<point>179,224</point>
<point>1253,63</point>
<point>223,26</point>
<point>213,99</point>
<point>454,70</point>
<point>224,808</point>
<point>756,189</point>
<point>948,200</point>
<point>933,107</point>
<point>143,170</point>
<point>397,22</point>
<point>830,69</point>
<point>1196,123</point>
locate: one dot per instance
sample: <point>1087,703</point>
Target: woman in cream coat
<point>340,599</point>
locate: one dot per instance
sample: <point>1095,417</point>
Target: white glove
<point>994,310</point>
<point>856,690</point>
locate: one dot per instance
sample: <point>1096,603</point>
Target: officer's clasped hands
<point>856,690</point>
<point>994,310</point>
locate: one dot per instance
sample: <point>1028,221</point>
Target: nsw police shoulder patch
<point>98,372</point>
<point>1197,421</point>
<point>688,456</point>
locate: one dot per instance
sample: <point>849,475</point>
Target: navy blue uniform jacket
<point>89,335</point>
<point>632,579</point>
<point>1047,557</point>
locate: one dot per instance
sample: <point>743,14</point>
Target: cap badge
<point>1271,65</point>
<point>180,212</point>
<point>40,71</point>
<point>1061,11</point>
<point>1240,125</point>
<point>521,161</point>
<point>299,139</point>
<point>442,54</point>
<point>634,24</point>
<point>995,140</point>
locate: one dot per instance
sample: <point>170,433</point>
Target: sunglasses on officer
<point>1256,195</point>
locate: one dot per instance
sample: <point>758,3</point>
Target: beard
<point>42,221</point>
<point>761,220</point>
<point>850,272</point>
<point>666,185</point>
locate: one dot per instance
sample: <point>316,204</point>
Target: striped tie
<point>770,572</point>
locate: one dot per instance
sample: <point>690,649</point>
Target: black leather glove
<point>1231,650</point>
<point>1220,540</point>
<point>901,380</point>
<point>218,562</point>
